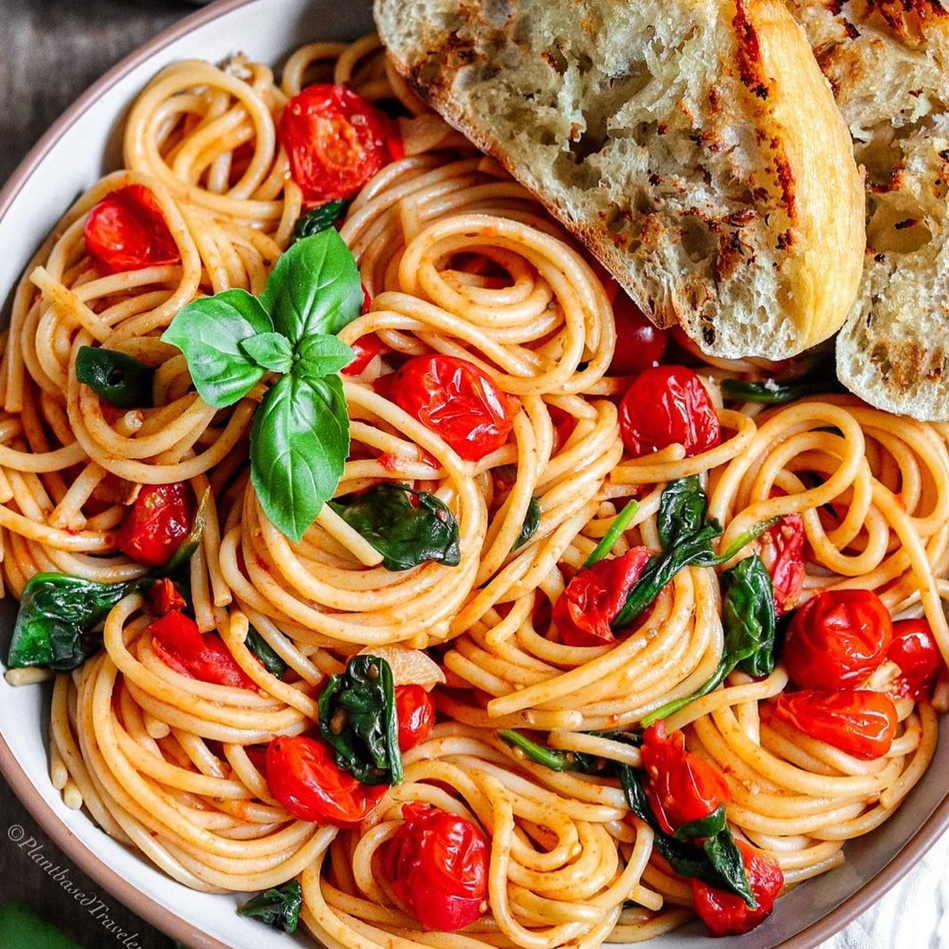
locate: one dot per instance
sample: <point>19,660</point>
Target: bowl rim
<point>165,918</point>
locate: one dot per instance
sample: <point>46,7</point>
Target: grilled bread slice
<point>693,145</point>
<point>888,62</point>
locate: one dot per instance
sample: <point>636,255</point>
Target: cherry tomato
<point>639,344</point>
<point>157,523</point>
<point>857,721</point>
<point>457,401</point>
<point>837,639</point>
<point>179,643</point>
<point>564,424</point>
<point>915,651</point>
<point>416,714</point>
<point>336,140</point>
<point>782,550</point>
<point>366,349</point>
<point>303,777</point>
<point>665,406</point>
<point>164,597</point>
<point>437,864</point>
<point>595,596</point>
<point>126,230</point>
<point>681,787</point>
<point>726,914</point>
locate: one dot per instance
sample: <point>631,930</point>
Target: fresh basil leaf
<point>264,654</point>
<point>20,927</point>
<point>725,858</point>
<point>269,351</point>
<point>749,616</point>
<point>189,545</point>
<point>530,525</point>
<point>319,219</point>
<point>359,721</point>
<point>552,758</point>
<point>209,332</point>
<point>314,288</point>
<point>119,379</point>
<point>278,907</point>
<point>322,356</point>
<point>619,525</point>
<point>682,509</point>
<point>298,448</point>
<point>703,827</point>
<point>404,534</point>
<point>58,615</point>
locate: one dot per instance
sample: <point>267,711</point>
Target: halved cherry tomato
<point>157,523</point>
<point>837,639</point>
<point>416,714</point>
<point>915,651</point>
<point>179,643</point>
<point>681,787</point>
<point>366,349</point>
<point>639,344</point>
<point>303,777</point>
<point>857,721</point>
<point>336,140</point>
<point>782,550</point>
<point>126,230</point>
<point>665,406</point>
<point>726,914</point>
<point>437,864</point>
<point>164,597</point>
<point>457,401</point>
<point>595,596</point>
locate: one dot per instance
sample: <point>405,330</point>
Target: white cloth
<point>913,915</point>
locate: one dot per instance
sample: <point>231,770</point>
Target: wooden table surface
<point>50,51</point>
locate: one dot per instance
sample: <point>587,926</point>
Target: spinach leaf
<point>322,355</point>
<point>314,288</point>
<point>704,826</point>
<point>820,378</point>
<point>265,654</point>
<point>620,523</point>
<point>725,858</point>
<point>530,525</point>
<point>404,534</point>
<point>682,509</point>
<point>20,927</point>
<point>119,379</point>
<point>190,544</point>
<point>298,448</point>
<point>278,907</point>
<point>319,219</point>
<point>269,351</point>
<point>58,616</point>
<point>358,719</point>
<point>552,758</point>
<point>209,331</point>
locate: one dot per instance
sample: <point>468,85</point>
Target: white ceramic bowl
<point>79,148</point>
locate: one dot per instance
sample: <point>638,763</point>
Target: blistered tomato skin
<point>457,401</point>
<point>157,523</point>
<point>437,864</point>
<point>915,651</point>
<point>639,344</point>
<point>416,714</point>
<point>837,639</point>
<point>726,914</point>
<point>336,141</point>
<point>665,406</point>
<point>126,230</point>
<point>857,721</point>
<point>304,778</point>
<point>681,787</point>
<point>782,550</point>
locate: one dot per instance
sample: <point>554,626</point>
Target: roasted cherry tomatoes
<point>726,914</point>
<point>457,401</point>
<point>416,714</point>
<point>639,344</point>
<point>179,643</point>
<point>303,777</point>
<point>782,550</point>
<point>857,721</point>
<point>126,230</point>
<point>668,405</point>
<point>336,140</point>
<point>594,597</point>
<point>681,787</point>
<point>157,523</point>
<point>837,639</point>
<point>437,864</point>
<point>915,651</point>
<point>366,349</point>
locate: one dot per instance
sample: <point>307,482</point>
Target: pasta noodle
<point>460,260</point>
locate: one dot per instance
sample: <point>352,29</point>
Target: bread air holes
<point>893,230</point>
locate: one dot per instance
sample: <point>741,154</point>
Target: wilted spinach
<point>530,525</point>
<point>319,219</point>
<point>682,510</point>
<point>278,907</point>
<point>264,654</point>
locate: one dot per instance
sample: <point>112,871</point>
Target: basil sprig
<point>121,380</point>
<point>300,436</point>
<point>278,907</point>
<point>405,534</point>
<point>359,721</point>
